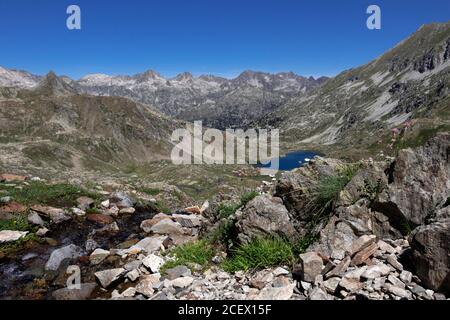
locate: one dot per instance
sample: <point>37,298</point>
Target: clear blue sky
<point>223,37</point>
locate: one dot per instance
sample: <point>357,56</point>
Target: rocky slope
<point>407,87</point>
<point>381,233</point>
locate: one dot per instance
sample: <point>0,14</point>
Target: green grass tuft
<point>199,252</point>
<point>260,254</point>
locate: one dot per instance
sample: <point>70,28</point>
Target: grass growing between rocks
<point>259,254</point>
<point>58,195</point>
<point>226,210</point>
<point>199,252</point>
<point>19,223</point>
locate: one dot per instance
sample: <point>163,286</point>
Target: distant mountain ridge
<point>218,101</point>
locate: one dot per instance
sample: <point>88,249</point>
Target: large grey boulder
<point>431,254</point>
<point>419,183</point>
<point>264,216</point>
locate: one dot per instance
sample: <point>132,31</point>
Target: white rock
<point>10,236</point>
<point>153,263</point>
<point>78,212</point>
<point>280,293</point>
<point>182,282</point>
<point>376,271</point>
<point>406,276</point>
<point>280,272</point>
<point>42,232</point>
<point>385,247</point>
<point>105,204</point>
<point>129,210</point>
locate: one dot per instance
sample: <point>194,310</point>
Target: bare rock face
<point>264,216</point>
<point>419,183</point>
<point>431,254</point>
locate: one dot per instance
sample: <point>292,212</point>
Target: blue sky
<point>222,37</point>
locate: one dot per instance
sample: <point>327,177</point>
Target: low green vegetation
<point>260,253</point>
<point>226,210</point>
<point>329,187</point>
<point>372,189</point>
<point>19,223</point>
<point>151,191</point>
<point>59,195</point>
<point>199,252</point>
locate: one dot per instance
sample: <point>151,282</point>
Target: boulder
<point>363,255</point>
<point>177,272</point>
<point>264,216</point>
<point>98,256</point>
<point>85,203</point>
<point>153,263</point>
<point>311,266</point>
<point>56,215</point>
<point>431,254</point>
<point>276,293</point>
<point>146,283</point>
<point>35,219</point>
<point>151,244</point>
<point>69,252</point>
<point>146,225</point>
<point>419,183</point>
<point>167,227</point>
<point>109,277</point>
<point>122,200</point>
<point>83,293</point>
<point>182,282</point>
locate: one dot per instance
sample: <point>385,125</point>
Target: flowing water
<point>20,270</point>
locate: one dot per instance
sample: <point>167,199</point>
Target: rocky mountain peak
<point>184,77</point>
<point>52,84</point>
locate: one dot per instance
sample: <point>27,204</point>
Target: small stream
<point>22,273</point>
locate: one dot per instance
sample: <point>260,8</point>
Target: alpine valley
<point>86,179</point>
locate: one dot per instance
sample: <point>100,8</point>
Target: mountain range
<point>221,103</point>
<point>100,119</point>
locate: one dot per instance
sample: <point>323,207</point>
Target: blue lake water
<point>293,160</point>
